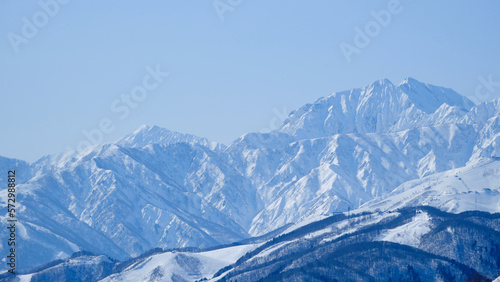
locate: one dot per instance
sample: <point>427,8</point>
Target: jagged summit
<point>383,81</point>
<point>147,135</point>
<point>409,80</point>
<point>429,98</point>
<point>379,107</point>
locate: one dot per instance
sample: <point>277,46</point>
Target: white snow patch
<point>410,233</point>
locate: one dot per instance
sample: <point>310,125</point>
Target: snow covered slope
<point>473,187</point>
<point>332,174</point>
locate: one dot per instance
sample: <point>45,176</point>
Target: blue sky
<point>231,71</point>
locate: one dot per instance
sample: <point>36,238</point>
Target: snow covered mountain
<point>383,146</point>
<point>380,107</point>
<point>124,201</point>
<point>357,145</point>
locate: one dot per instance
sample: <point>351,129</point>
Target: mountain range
<point>380,150</point>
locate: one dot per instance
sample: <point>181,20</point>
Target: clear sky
<point>235,66</point>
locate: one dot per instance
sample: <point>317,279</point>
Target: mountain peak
<point>147,135</point>
<point>429,98</point>
<point>410,81</point>
<point>149,128</point>
<point>383,81</point>
<point>379,107</point>
<point>380,84</point>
